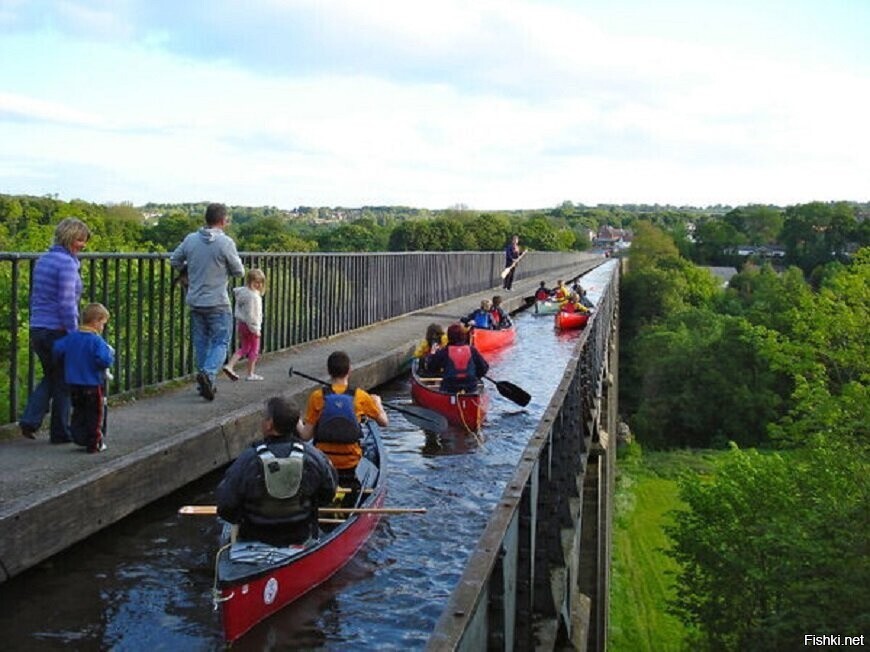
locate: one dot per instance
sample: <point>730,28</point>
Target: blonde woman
<point>54,312</point>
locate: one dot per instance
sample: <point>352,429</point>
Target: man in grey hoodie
<point>209,256</point>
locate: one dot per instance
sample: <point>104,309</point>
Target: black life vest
<point>338,422</point>
<point>460,364</point>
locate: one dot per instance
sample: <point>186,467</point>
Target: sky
<point>489,104</point>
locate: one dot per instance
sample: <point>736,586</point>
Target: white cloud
<point>493,104</point>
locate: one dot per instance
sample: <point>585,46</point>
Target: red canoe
<point>485,339</point>
<point>566,320</point>
<point>464,410</point>
<point>254,580</point>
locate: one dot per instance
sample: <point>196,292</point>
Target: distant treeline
<point>810,234</point>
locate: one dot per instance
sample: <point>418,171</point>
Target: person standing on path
<point>511,256</point>
<point>86,357</point>
<point>210,258</point>
<point>54,312</point>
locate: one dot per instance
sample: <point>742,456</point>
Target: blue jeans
<point>51,389</point>
<point>210,330</point>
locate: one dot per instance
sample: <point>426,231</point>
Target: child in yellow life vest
<point>436,339</point>
<point>573,304</point>
<point>561,293</point>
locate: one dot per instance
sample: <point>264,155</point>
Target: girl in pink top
<point>249,322</point>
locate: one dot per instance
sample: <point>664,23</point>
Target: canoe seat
<point>257,552</point>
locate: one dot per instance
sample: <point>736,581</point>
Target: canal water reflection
<point>145,583</point>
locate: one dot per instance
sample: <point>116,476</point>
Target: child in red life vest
<point>500,318</point>
<point>461,366</point>
<point>542,293</point>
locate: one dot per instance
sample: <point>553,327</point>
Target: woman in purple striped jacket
<point>54,311</point>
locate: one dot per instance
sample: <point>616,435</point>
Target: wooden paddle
<point>420,417</point>
<point>211,510</point>
<point>511,392</point>
<point>507,270</point>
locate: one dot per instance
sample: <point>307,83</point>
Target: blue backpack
<point>338,422</point>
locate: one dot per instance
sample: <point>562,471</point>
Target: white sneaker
<point>254,377</point>
<point>228,370</point>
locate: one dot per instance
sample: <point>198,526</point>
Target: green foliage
<point>704,379</point>
<point>651,247</point>
<point>713,237</point>
<point>270,234</point>
<point>541,234</point>
<point>816,233</point>
<point>756,224</point>
<point>772,547</point>
<point>362,235</point>
<point>170,230</point>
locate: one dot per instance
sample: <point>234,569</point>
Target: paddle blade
<point>421,417</point>
<point>511,392</point>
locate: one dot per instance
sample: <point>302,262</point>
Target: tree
<point>705,379</point>
<point>361,235</point>
<point>773,547</point>
<point>713,237</point>
<point>649,247</point>
<point>758,224</point>
<point>171,229</point>
<point>540,233</point>
<point>816,233</point>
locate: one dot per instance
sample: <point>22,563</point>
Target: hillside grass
<point>643,575</point>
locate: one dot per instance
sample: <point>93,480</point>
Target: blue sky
<point>492,104</point>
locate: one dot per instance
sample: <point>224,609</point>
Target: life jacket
<point>495,315</point>
<point>570,307</point>
<point>561,293</point>
<point>481,318</point>
<point>542,294</point>
<point>338,422</point>
<point>280,503</point>
<point>338,431</point>
<point>460,364</point>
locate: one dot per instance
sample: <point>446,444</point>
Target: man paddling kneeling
<point>273,489</point>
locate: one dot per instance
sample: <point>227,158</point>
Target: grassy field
<point>643,574</point>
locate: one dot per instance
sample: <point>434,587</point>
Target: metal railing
<point>309,296</point>
<point>540,573</point>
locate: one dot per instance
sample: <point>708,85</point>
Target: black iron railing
<point>309,296</point>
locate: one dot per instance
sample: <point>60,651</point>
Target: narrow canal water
<point>145,583</point>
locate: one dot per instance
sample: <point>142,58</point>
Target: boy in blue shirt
<point>86,358</point>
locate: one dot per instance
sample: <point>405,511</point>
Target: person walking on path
<point>54,312</point>
<point>511,256</point>
<point>273,489</point>
<point>85,357</point>
<point>249,323</point>
<point>210,258</point>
